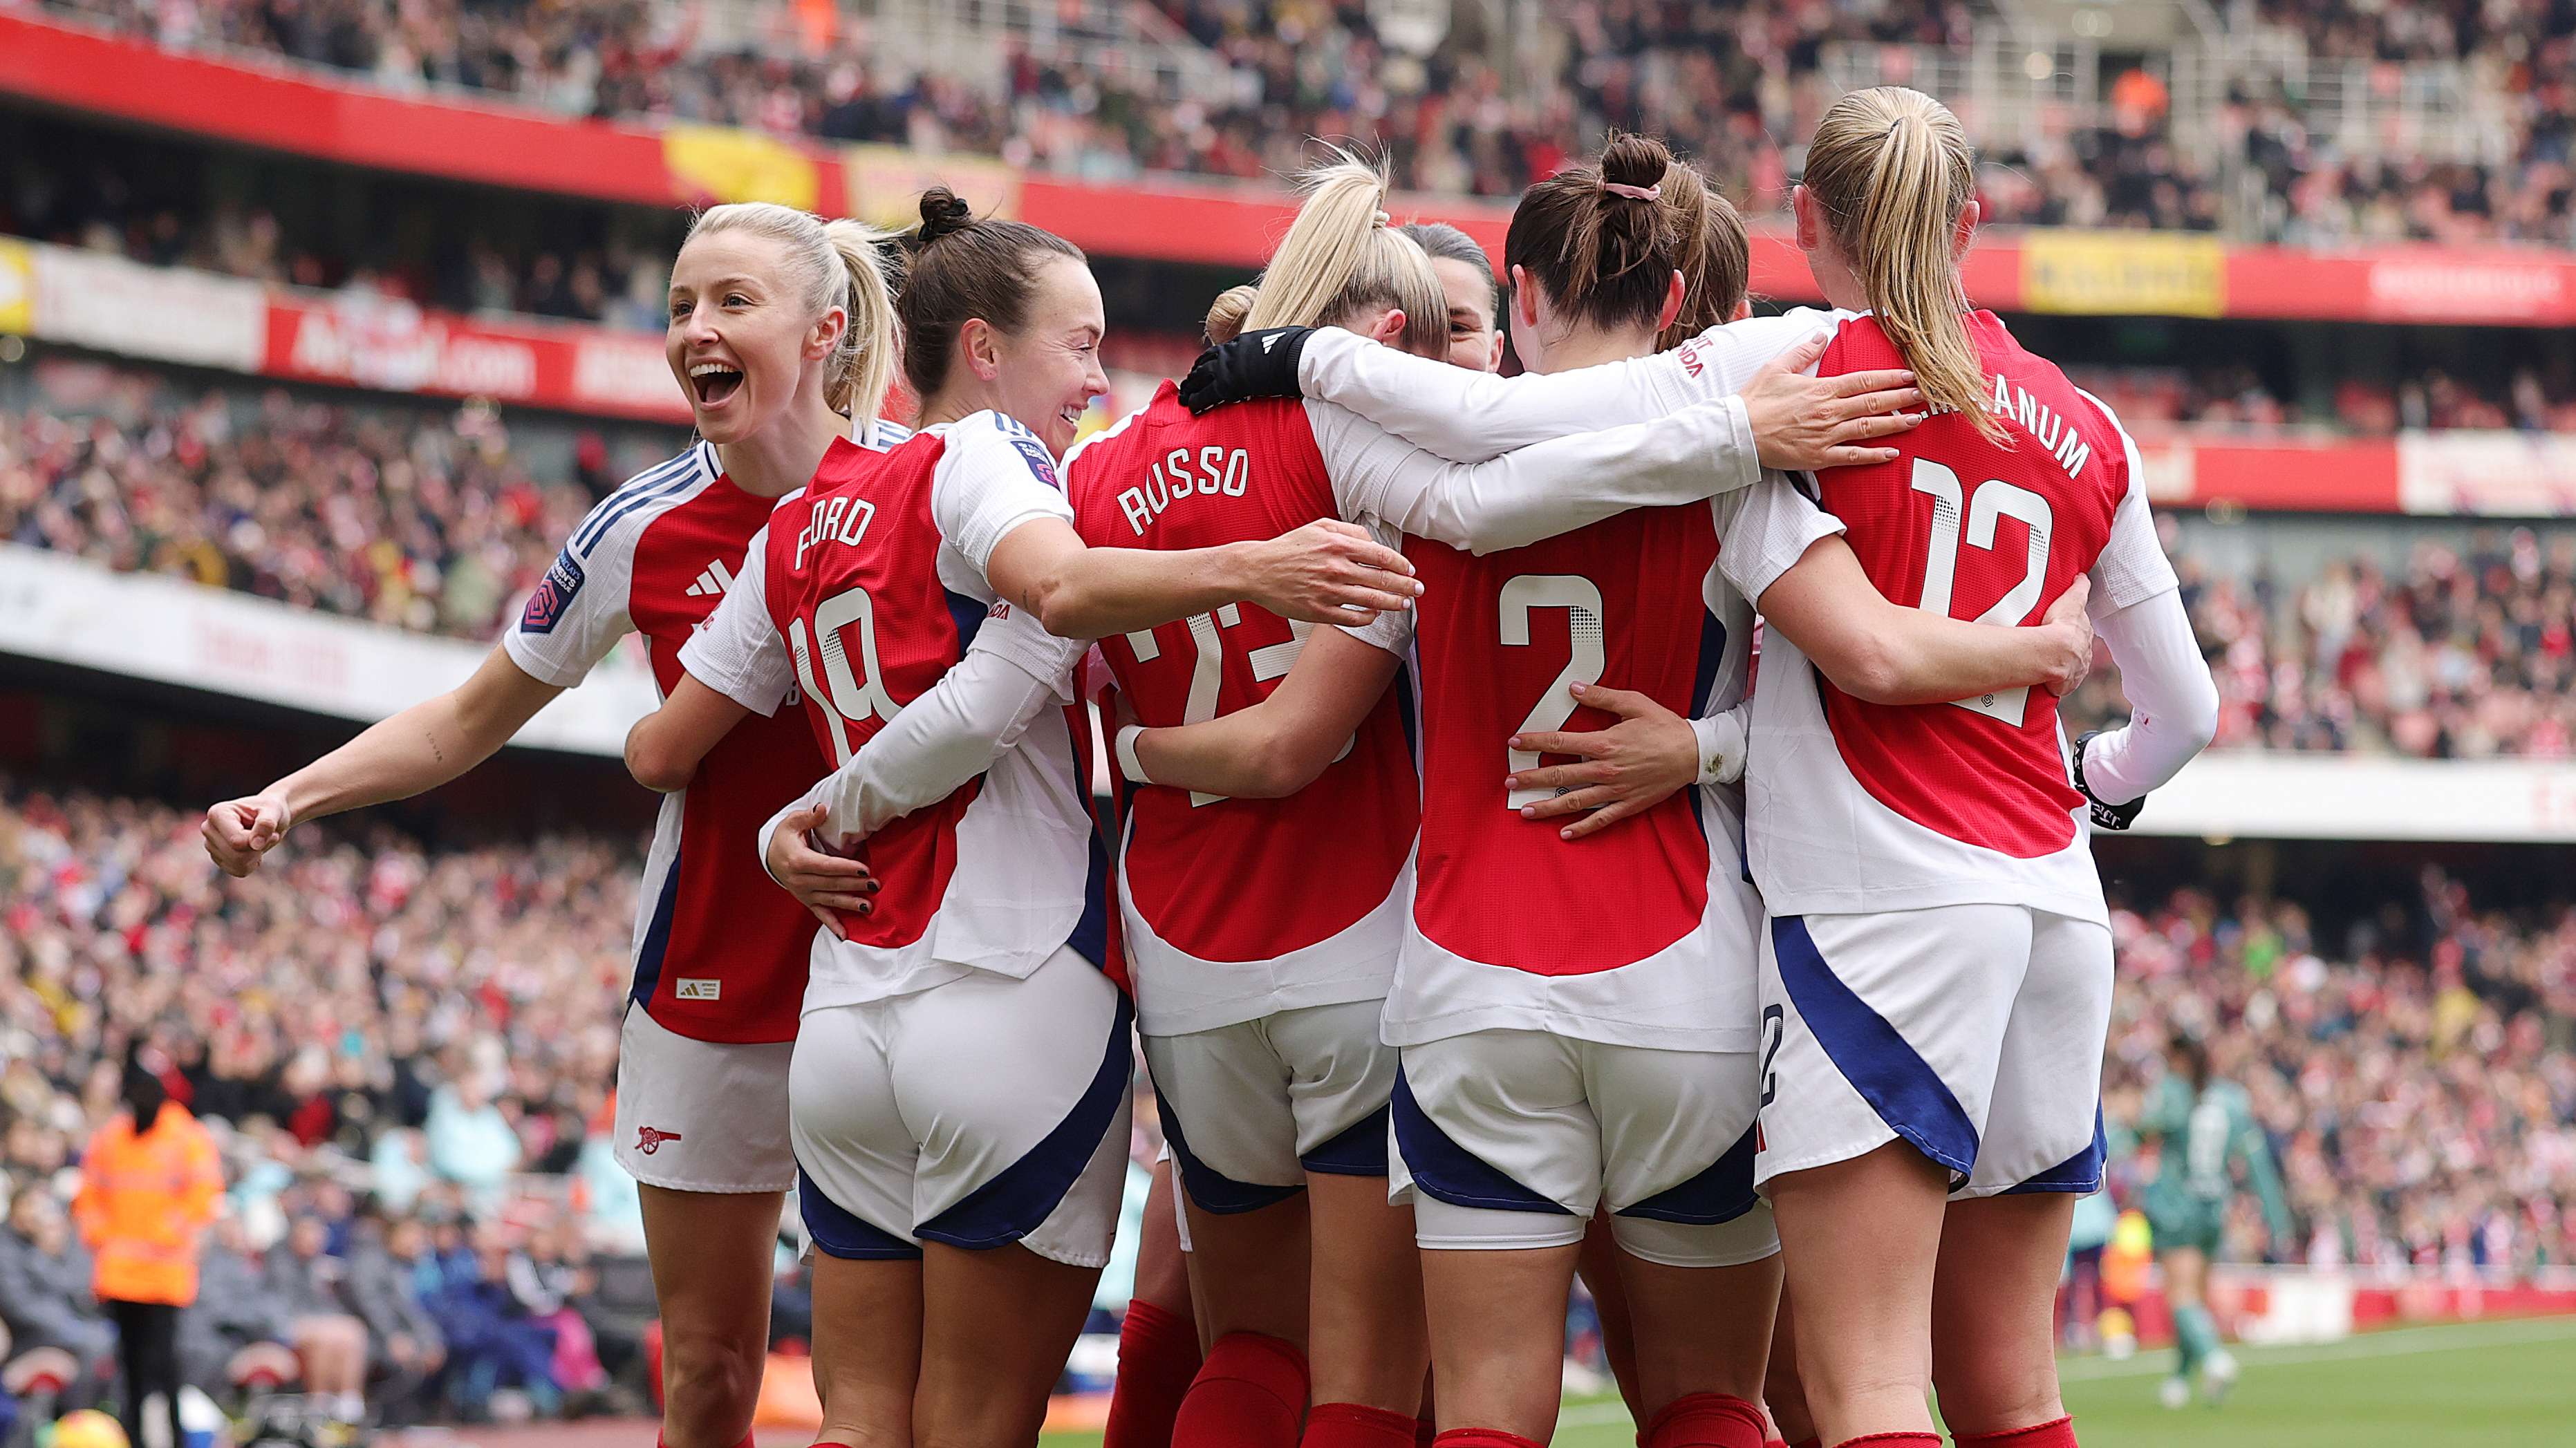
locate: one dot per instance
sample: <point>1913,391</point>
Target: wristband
<point>2105,815</point>
<point>1128,764</point>
<point>1721,747</point>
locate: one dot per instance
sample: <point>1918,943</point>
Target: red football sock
<point>1481,1438</point>
<point>1808,1443</point>
<point>1250,1393</point>
<point>1775,1443</point>
<point>1356,1425</point>
<point>1158,1354</point>
<point>1705,1420</point>
<point>2057,1434</point>
<point>1894,1440</point>
<point>661,1442</point>
<point>1425,1432</point>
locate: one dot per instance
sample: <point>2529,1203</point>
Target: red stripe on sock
<point>2059,1433</point>
<point>1705,1420</point>
<point>1250,1393</point>
<point>1356,1425</point>
<point>1158,1354</point>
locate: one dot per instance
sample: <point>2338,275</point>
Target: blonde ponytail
<point>1893,170</point>
<point>865,362</point>
<point>830,264</point>
<point>1341,255</point>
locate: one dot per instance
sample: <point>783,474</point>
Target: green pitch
<point>2471,1385</point>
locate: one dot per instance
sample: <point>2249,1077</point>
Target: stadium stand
<point>1722,80</point>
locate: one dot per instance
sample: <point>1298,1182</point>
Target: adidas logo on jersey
<point>712,582</point>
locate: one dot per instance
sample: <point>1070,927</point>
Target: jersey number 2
<point>1993,501</point>
<point>1581,600</point>
<point>845,700</point>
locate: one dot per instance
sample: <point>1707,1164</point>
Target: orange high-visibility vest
<point>144,1201</point>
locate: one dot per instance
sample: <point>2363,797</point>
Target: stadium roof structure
<point>274,105</point>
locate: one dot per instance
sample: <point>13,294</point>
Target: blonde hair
<point>1225,314</point>
<point>838,263</point>
<point>1893,170</point>
<point>1340,256</point>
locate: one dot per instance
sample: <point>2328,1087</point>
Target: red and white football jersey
<point>719,949</point>
<point>1644,933</point>
<point>862,592</point>
<point>1861,807</point>
<point>1238,908</point>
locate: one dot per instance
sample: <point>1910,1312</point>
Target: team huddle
<point>1481,919</point>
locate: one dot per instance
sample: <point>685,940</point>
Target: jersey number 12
<point>1993,501</point>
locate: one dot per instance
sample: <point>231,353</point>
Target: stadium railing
<point>288,109</point>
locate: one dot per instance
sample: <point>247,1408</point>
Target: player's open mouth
<point>714,382</point>
<point>1073,417</point>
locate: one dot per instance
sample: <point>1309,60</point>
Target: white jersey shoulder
<point>580,609</point>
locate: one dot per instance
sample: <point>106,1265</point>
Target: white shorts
<point>1973,1032</point>
<point>976,1113</point>
<point>701,1116</point>
<point>1511,1139</point>
<point>1249,1109</point>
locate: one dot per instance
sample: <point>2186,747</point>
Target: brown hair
<point>1606,257</point>
<point>1892,171</point>
<point>963,269</point>
<point>834,264</point>
<point>1717,272</point>
<point>1340,256</point>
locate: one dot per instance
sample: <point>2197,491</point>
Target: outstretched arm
<point>1278,746</point>
<point>664,747</point>
<point>418,749</point>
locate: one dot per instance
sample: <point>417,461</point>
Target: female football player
<point>1591,1044</point>
<point>782,337</point>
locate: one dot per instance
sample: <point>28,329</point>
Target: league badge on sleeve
<point>1039,463</point>
<point>554,594</point>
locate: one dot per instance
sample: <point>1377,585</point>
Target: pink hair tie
<point>1633,193</point>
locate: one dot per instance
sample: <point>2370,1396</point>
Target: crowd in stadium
<point>417,517</point>
<point>2406,1074</point>
<point>1723,81</point>
<point>409,1048</point>
<point>2455,655</point>
<point>401,1045</point>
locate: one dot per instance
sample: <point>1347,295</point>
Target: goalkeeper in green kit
<point>2205,1132</point>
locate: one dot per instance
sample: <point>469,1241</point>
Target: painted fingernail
<point>1529,812</point>
<point>1578,688</point>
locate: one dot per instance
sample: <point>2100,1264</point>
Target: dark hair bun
<point>943,213</point>
<point>1634,160</point>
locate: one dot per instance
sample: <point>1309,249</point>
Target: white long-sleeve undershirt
<point>2173,705</point>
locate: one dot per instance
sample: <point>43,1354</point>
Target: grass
<point>2467,1385</point>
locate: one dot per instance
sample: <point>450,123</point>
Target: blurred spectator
<point>45,1296</point>
<point>235,1308</point>
<point>149,1180</point>
<point>2457,656</point>
<point>329,1338</point>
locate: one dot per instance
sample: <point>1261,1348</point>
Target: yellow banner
<point>17,287</point>
<point>2123,273</point>
<point>884,183</point>
<point>728,165</point>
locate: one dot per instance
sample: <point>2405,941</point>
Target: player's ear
<point>1743,309</point>
<point>1674,291</point>
<point>1966,230</point>
<point>980,344</point>
<point>1524,297</point>
<point>1802,205</point>
<point>1389,327</point>
<point>824,337</point>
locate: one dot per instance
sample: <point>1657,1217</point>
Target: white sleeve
<point>993,475</point>
<point>1391,631</point>
<point>2173,705</point>
<point>1538,491</point>
<point>2133,565</point>
<point>578,611</point>
<point>956,728</point>
<point>1764,530</point>
<point>739,653</point>
<point>1471,416</point>
<point>1721,744</point>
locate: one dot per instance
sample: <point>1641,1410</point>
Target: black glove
<point>1255,364</point>
<point>2105,816</point>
